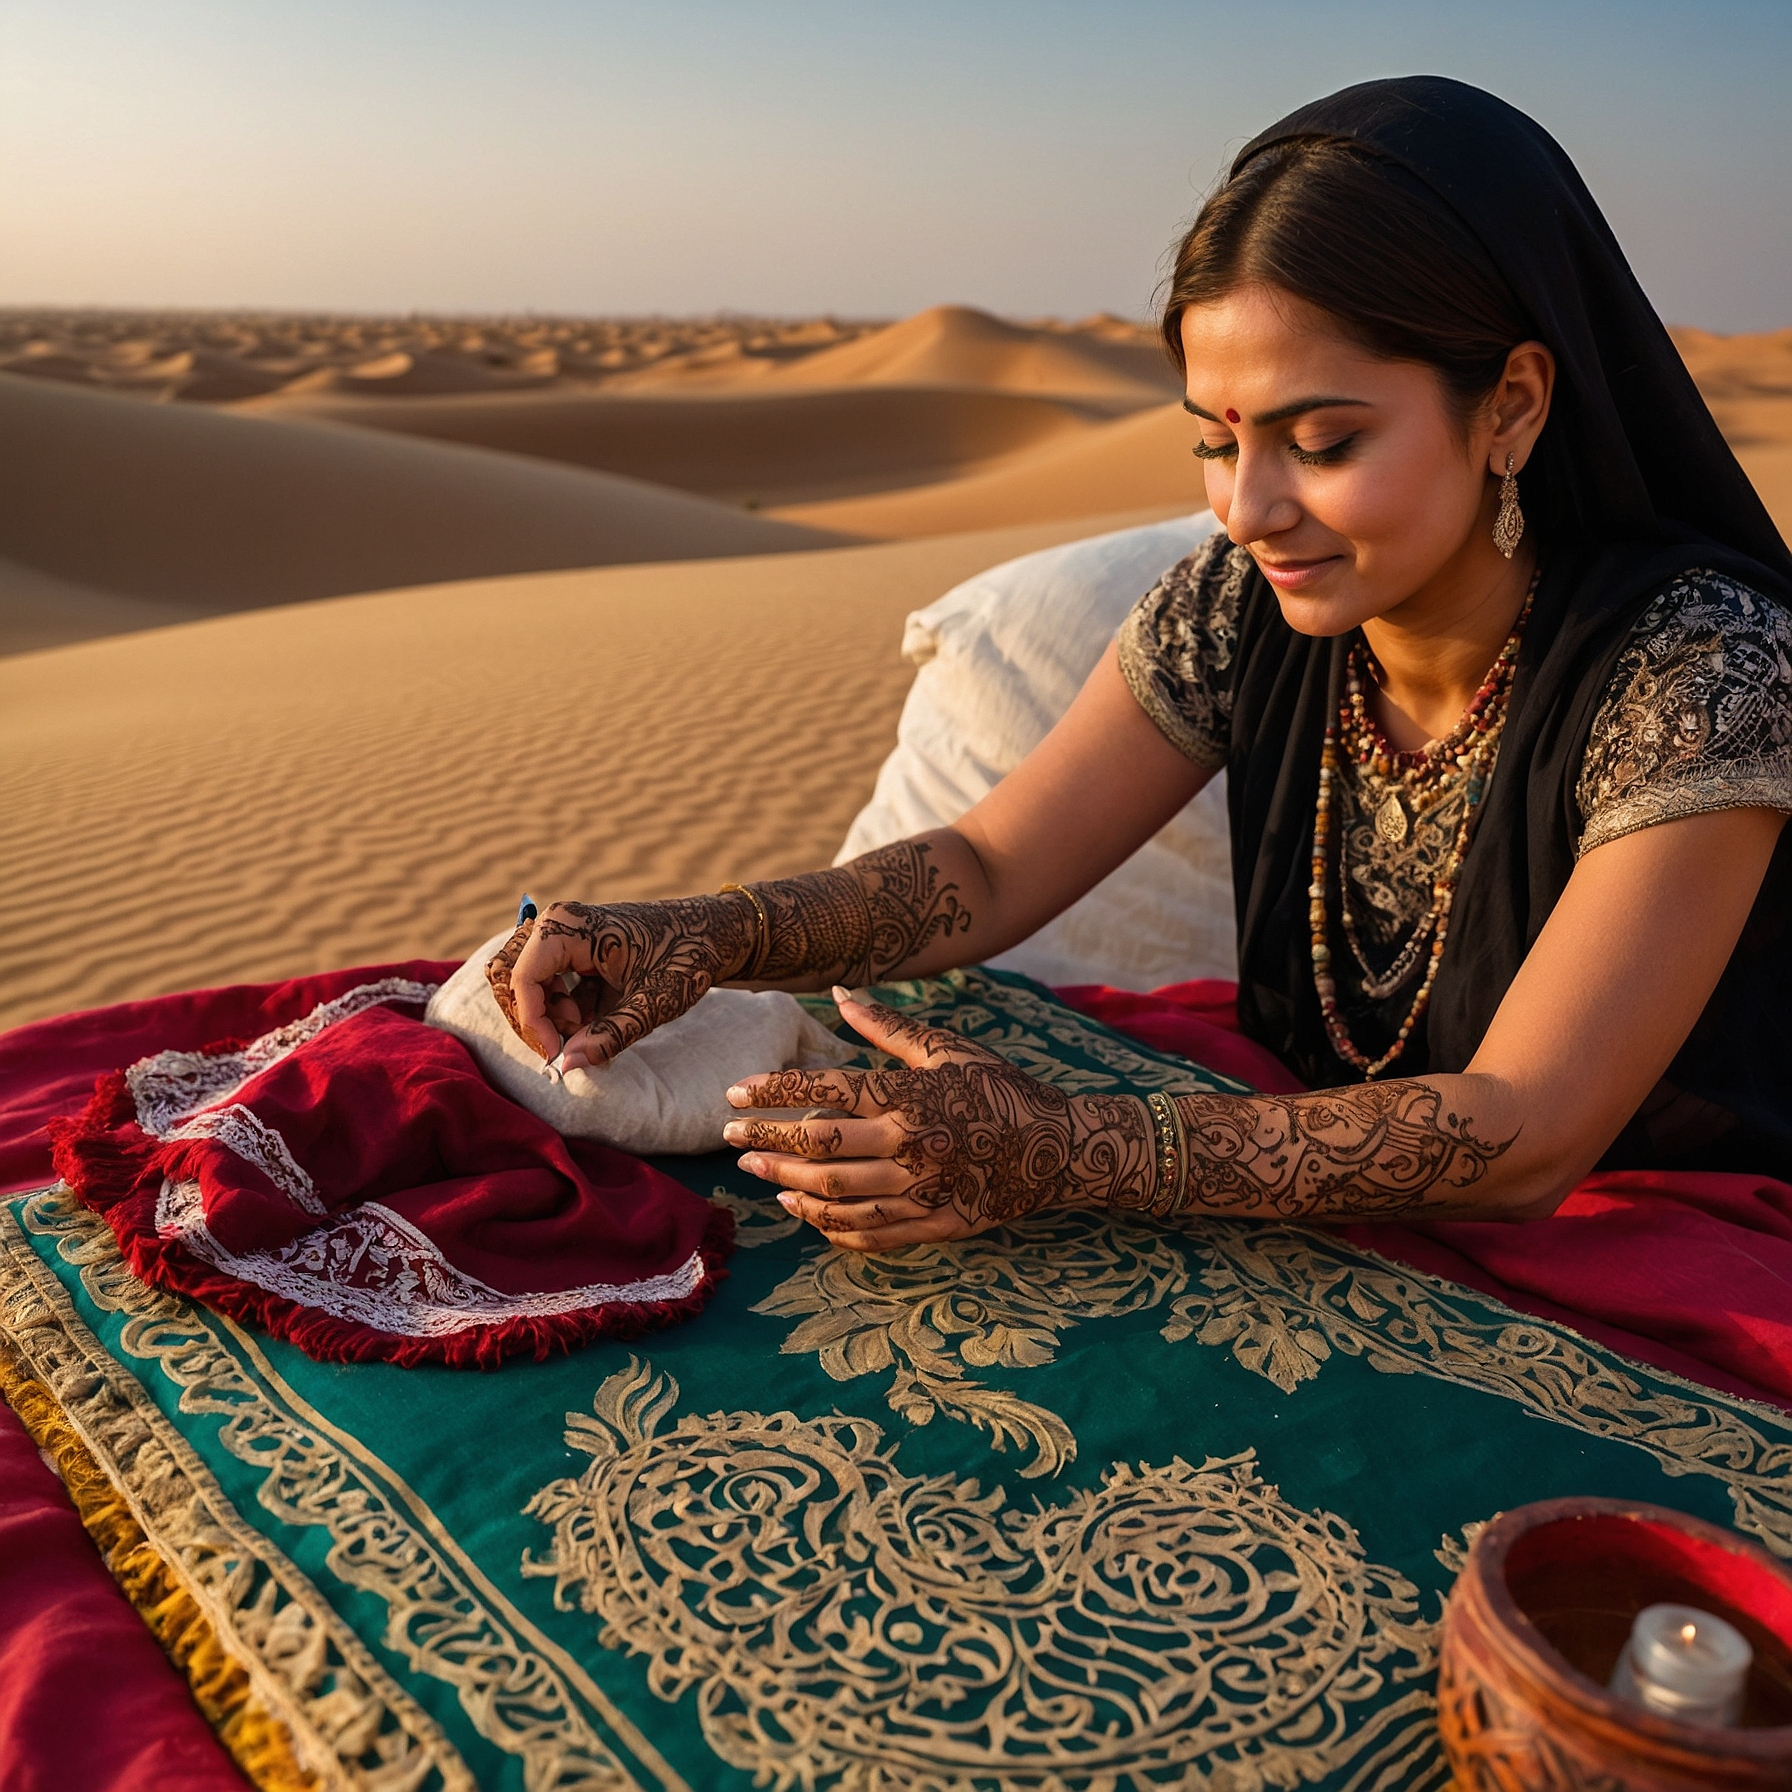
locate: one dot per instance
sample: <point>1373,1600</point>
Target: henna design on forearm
<point>1366,1151</point>
<point>860,921</point>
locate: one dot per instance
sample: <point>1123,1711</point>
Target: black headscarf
<point>1650,490</point>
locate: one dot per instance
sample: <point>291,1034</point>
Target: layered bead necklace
<point>1415,777</point>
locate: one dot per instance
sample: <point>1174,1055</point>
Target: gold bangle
<point>1171,1192</point>
<point>1180,1200</point>
<point>763,950</point>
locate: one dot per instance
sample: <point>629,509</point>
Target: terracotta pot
<point>1535,1626</point>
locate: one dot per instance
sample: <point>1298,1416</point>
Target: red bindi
<point>1231,416</point>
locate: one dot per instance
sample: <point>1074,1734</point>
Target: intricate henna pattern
<point>497,974</point>
<point>861,921</point>
<point>1370,1150</point>
<point>653,960</point>
<point>801,1138</point>
<point>980,1136</point>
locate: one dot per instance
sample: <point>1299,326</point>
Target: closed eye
<point>1323,457</point>
<point>1209,451</point>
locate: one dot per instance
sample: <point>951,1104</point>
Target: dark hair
<point>1370,244</point>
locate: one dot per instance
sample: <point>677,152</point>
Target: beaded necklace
<point>1470,748</point>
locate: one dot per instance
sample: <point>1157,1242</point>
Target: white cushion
<point>1000,657</point>
<point>667,1092</point>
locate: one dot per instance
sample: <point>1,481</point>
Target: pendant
<point>1390,819</point>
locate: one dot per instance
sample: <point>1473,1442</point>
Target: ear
<point>1519,407</point>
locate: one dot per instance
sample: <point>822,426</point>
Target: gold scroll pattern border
<point>349,1723</point>
<point>842,1623</point>
<point>510,1690</point>
<point>1284,1299</point>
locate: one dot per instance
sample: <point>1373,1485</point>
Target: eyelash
<point>1308,457</point>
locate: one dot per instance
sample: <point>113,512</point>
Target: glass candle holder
<point>1684,1664</point>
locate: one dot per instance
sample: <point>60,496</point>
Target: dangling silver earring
<point>1508,526</point>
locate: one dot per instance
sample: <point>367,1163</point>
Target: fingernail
<point>753,1164</point>
<point>841,994</point>
<point>788,1203</point>
<point>735,1132</point>
<point>738,1096</point>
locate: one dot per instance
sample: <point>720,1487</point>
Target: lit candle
<point>1684,1664</point>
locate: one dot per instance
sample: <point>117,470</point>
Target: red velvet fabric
<point>48,1068</point>
<point>367,1194</point>
<point>1691,1272</point>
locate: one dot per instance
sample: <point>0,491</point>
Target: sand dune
<point>953,345</point>
<point>370,777</point>
<point>759,444</point>
<point>1746,380</point>
<point>1770,467</point>
<point>214,511</point>
<point>1138,460</point>
<point>215,357</point>
<point>256,794</point>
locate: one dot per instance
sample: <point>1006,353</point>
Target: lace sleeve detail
<point>1177,647</point>
<point>1698,713</point>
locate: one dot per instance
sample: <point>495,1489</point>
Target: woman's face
<point>1348,478</point>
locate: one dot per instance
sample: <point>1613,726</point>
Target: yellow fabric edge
<point>257,1741</point>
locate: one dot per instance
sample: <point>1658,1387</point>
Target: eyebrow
<point>1281,413</point>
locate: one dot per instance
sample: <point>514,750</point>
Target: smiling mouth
<point>1293,574</point>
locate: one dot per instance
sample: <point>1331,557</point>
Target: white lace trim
<point>373,1267</point>
<point>368,1265</point>
<point>172,1086</point>
<point>245,1133</point>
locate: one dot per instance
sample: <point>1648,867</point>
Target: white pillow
<point>664,1094</point>
<point>1000,657</point>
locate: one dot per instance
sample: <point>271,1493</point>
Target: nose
<point>1262,501</point>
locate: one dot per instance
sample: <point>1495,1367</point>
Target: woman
<point>1496,648</point>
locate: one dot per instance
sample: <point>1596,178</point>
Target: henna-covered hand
<point>1366,1151</point>
<point>637,965</point>
<point>586,980</point>
<point>955,1141</point>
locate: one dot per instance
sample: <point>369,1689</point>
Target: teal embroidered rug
<point>1080,1505</point>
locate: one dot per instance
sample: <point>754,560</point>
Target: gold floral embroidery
<point>995,1301</point>
<point>438,1618</point>
<point>842,1621</point>
<point>1286,1299</point>
<point>351,1724</point>
<point>1283,1298</point>
<point>754,1222</point>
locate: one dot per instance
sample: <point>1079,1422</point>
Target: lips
<point>1296,575</point>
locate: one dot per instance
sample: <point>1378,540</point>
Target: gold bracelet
<point>763,950</point>
<point>1171,1193</point>
<point>1182,1163</point>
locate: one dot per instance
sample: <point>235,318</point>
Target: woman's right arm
<point>1095,789</point>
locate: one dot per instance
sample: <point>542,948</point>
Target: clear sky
<point>798,156</point>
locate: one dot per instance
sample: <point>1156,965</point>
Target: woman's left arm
<point>1603,1001</point>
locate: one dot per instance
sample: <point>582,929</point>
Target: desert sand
<point>326,637</point>
<point>380,776</point>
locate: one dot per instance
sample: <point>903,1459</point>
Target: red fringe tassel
<point>112,1165</point>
